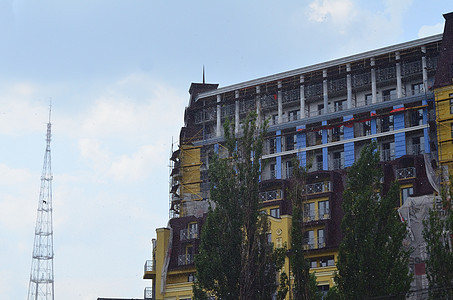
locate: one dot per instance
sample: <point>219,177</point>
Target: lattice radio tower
<point>41,284</point>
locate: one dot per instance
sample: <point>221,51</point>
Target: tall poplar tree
<point>305,287</point>
<point>437,232</point>
<point>235,260</point>
<point>372,261</point>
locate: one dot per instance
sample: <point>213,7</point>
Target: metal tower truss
<point>41,284</point>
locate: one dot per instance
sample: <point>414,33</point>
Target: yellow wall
<point>444,119</point>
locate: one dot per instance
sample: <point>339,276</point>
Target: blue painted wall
<point>400,138</point>
<point>278,160</point>
<point>348,147</point>
<point>301,142</point>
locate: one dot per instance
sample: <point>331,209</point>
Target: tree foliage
<point>437,234</point>
<point>372,261</point>
<point>305,286</point>
<point>235,260</point>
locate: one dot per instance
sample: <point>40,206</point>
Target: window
<point>323,209</point>
<point>313,263</point>
<point>273,170</point>
<point>290,141</point>
<point>416,117</point>
<point>193,230</point>
<point>275,119</point>
<point>275,212</point>
<point>318,136</point>
<point>388,95</point>
<point>309,211</point>
<point>272,145</point>
<point>337,133</point>
<point>388,151</point>
<point>387,123</point>
<point>337,162</point>
<point>269,238</point>
<point>320,109</point>
<point>339,105</point>
<point>417,145</point>
<point>366,127</point>
<point>321,240</point>
<point>293,115</point>
<point>405,193</point>
<point>319,162</point>
<point>418,88</point>
<point>368,99</point>
<point>289,168</point>
<point>327,261</point>
<point>309,239</point>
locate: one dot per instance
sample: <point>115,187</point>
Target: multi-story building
<point>324,114</point>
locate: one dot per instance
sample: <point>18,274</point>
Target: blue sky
<point>118,74</point>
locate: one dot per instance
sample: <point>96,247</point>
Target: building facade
<point>324,115</point>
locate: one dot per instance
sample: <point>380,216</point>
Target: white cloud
<point>136,166</point>
<point>339,11</point>
<point>428,30</point>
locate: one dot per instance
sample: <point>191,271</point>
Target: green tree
<point>372,261</point>
<point>437,234</point>
<point>235,260</point>
<point>305,286</point>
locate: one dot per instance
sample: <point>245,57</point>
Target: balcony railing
<point>149,266</point>
<point>337,164</point>
<point>319,166</point>
<point>186,234</point>
<point>315,215</point>
<point>270,195</point>
<point>318,187</point>
<point>148,293</point>
<point>185,259</point>
<point>312,243</point>
<point>309,244</point>
<point>309,215</point>
<point>416,149</point>
<point>323,213</point>
<point>387,154</point>
<point>405,173</point>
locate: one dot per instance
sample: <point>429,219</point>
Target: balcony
<point>185,259</point>
<point>323,214</point>
<point>309,215</point>
<point>387,154</point>
<point>337,164</point>
<point>416,149</point>
<point>405,173</point>
<point>312,243</point>
<point>188,234</point>
<point>318,187</point>
<point>149,271</point>
<point>316,215</point>
<point>270,195</point>
<point>148,293</point>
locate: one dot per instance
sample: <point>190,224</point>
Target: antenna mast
<point>41,284</point>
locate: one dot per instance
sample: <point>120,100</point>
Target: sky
<point>117,74</point>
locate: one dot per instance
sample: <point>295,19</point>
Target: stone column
<point>280,102</point>
<point>373,81</point>
<point>424,69</point>
<point>325,91</point>
<point>258,106</point>
<point>236,113</point>
<point>399,86</point>
<point>302,97</point>
<point>348,86</point>
<point>219,116</point>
